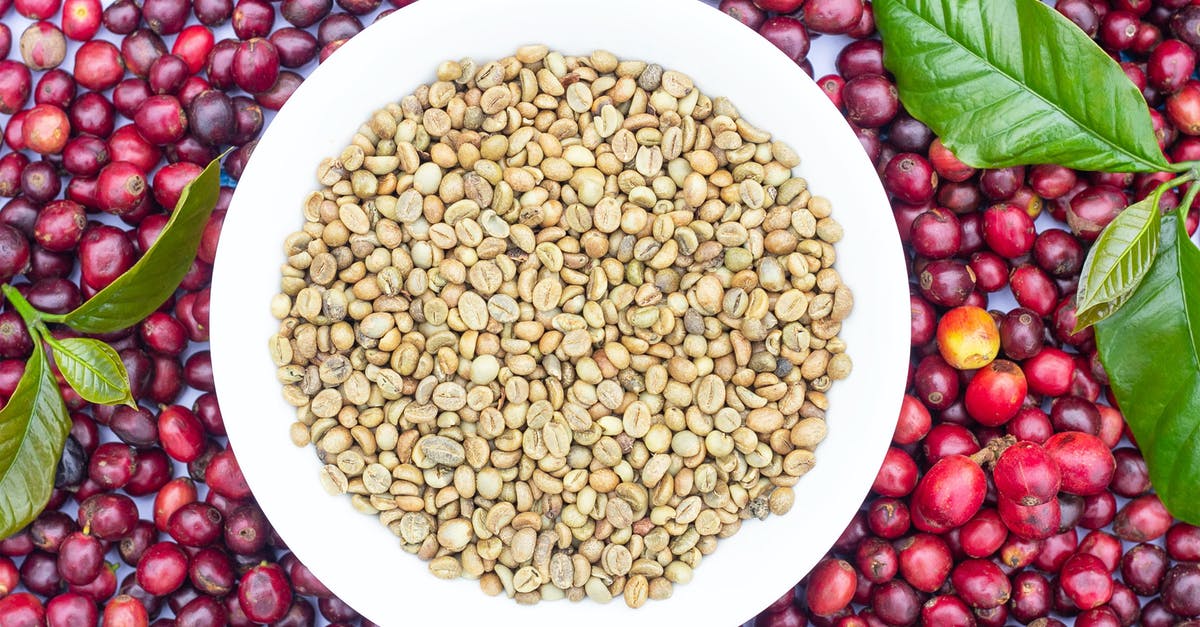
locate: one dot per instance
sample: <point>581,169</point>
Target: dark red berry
<point>949,494</point>
<point>165,17</point>
<point>60,225</point>
<point>80,558</point>
<point>181,434</point>
<point>168,74</point>
<point>1095,207</point>
<point>104,254</point>
<point>305,13</point>
<point>71,608</point>
<point>162,568</point>
<point>1026,473</point>
<point>170,181</point>
<point>871,100</point>
<point>1086,463</point>
<point>255,65</point>
<point>125,610</point>
<point>264,593</point>
<point>211,572</point>
<point>107,515</point>
<point>1086,581</point>
<point>140,49</point>
<point>161,120</point>
<point>788,34</point>
<point>947,282</point>
<point>252,18</point>
<point>1142,519</point>
<point>910,178</point>
<point>112,465</point>
<point>195,524</point>
<point>1034,290</point>
<point>831,587</point>
<point>14,252</point>
<point>995,394</point>
<point>1143,568</point>
<point>122,188</point>
<point>1008,230</point>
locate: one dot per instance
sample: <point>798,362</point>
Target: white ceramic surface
<point>356,556</point>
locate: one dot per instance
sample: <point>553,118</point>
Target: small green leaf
<point>93,369</point>
<point>33,426</point>
<point>1119,259</point>
<point>1011,82</point>
<point>145,286</point>
<point>1151,350</point>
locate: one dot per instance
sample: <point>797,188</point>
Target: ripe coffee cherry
<point>910,178</point>
<point>925,561</point>
<point>832,17</point>
<point>1092,209</point>
<point>871,100</point>
<point>1086,581</point>
<point>936,383</point>
<point>1143,568</point>
<point>996,392</point>
<point>125,610</point>
<point>1171,64</point>
<point>1086,464</point>
<point>897,476</point>
<point>947,282</point>
<point>1049,372</point>
<point>265,595</point>
<point>122,188</point>
<point>162,568</point>
<point>1181,589</point>
<point>1031,522</point>
<point>980,583</point>
<point>936,234</point>
<point>1008,230</point>
<point>1027,474</point>
<point>1143,519</point>
<point>947,165</point>
<point>60,225</point>
<point>991,271</point>
<point>181,433</point>
<point>1183,108</point>
<point>949,494</point>
<point>1034,290</point>
<point>914,422</point>
<point>831,587</point>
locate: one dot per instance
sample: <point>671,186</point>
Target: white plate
<point>358,558</point>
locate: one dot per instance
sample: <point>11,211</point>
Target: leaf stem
<point>1188,197</point>
<point>29,313</point>
<point>1188,175</point>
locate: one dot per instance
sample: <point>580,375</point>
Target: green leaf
<point>94,369</point>
<point>148,284</point>
<point>33,426</point>
<point>1118,261</point>
<point>1151,350</point>
<point>1012,82</point>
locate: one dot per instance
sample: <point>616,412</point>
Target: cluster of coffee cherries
<point>1013,491</point>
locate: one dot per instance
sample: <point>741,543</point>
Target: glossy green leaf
<point>33,426</point>
<point>93,369</point>
<point>1118,261</point>
<point>145,286</point>
<point>1150,348</point>
<point>1011,82</point>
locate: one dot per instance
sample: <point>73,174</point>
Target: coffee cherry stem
<point>991,452</point>
<point>1190,196</point>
